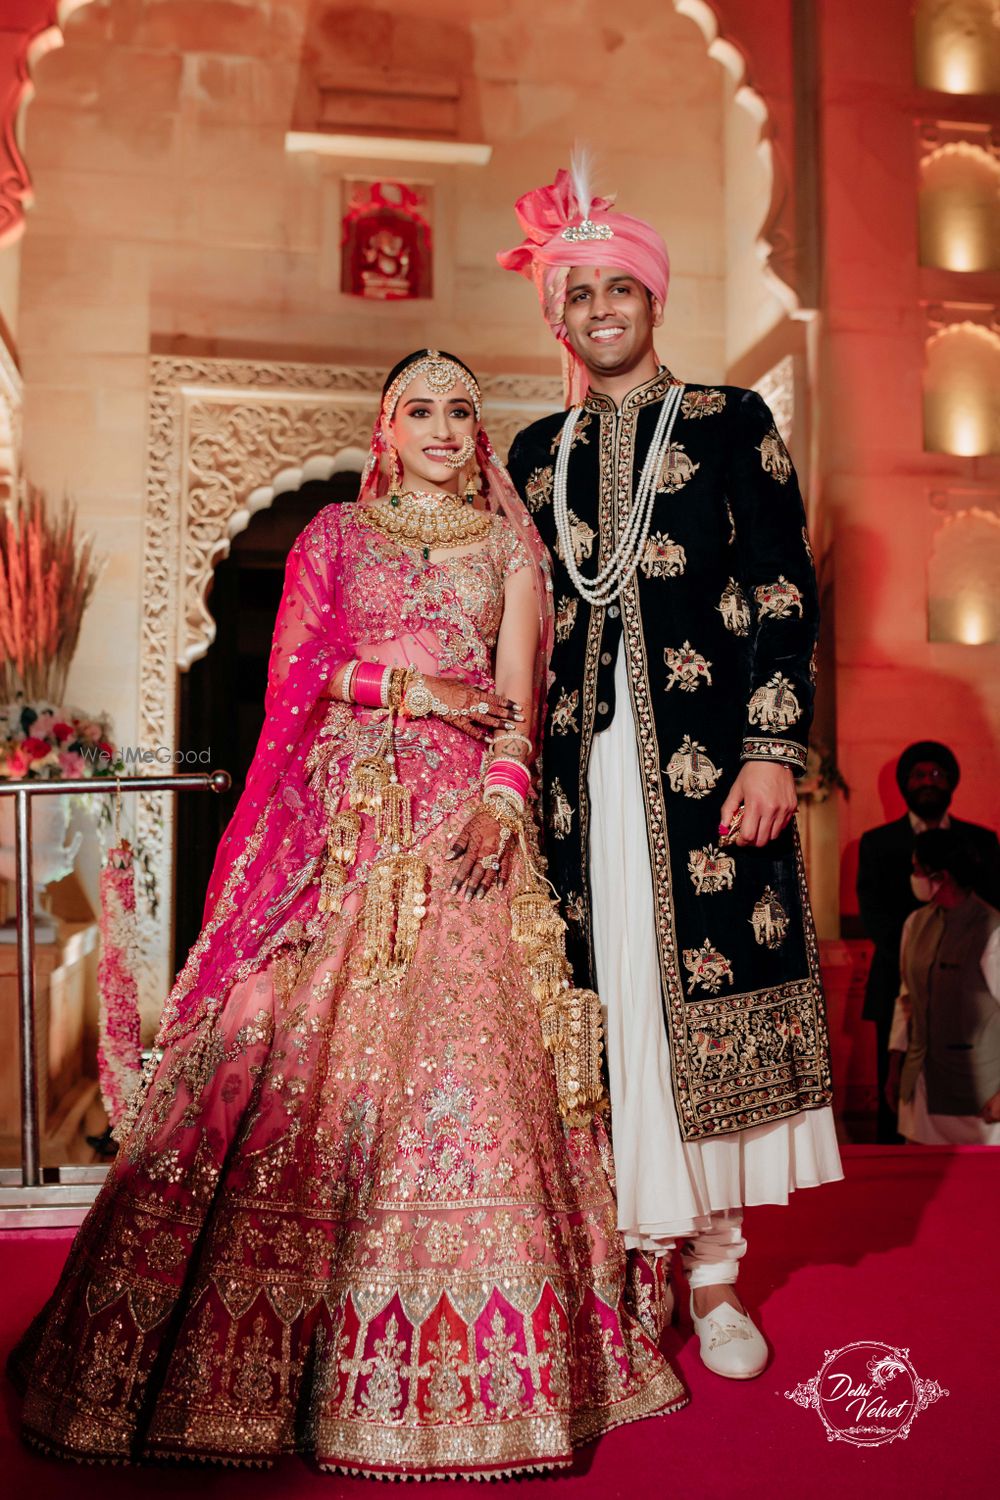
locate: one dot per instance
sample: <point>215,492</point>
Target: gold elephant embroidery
<point>691,771</point>
<point>687,668</point>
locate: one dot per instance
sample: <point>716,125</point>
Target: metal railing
<point>56,1195</point>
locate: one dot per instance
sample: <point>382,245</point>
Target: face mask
<point>924,887</point>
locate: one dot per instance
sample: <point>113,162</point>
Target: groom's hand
<point>767,792</point>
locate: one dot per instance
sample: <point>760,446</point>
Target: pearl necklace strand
<point>624,560</point>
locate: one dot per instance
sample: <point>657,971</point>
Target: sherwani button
<point>614,611</point>
<point>606,658</point>
<point>602,707</point>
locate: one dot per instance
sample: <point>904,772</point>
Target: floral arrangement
<point>40,741</point>
<point>46,580</point>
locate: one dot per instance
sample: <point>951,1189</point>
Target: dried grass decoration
<point>47,578</point>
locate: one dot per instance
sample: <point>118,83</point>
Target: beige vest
<point>955,1021</point>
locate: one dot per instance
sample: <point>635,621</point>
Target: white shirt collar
<point>919,826</point>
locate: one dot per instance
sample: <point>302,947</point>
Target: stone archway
<point>224,437</point>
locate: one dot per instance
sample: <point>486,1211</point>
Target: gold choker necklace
<point>421,519</point>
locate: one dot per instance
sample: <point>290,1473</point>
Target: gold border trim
<point>782,752</point>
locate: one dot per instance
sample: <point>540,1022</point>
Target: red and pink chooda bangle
<point>370,684</point>
<point>509,773</point>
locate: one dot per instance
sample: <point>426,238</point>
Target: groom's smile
<point>609,317</point>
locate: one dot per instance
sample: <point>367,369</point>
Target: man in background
<point>927,774</point>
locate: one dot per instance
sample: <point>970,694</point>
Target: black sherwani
<point>719,626</point>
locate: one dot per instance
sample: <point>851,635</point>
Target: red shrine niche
<point>386,245</point>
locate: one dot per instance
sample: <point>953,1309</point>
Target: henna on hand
<point>479,839</point>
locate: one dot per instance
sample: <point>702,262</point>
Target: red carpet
<point>905,1251</point>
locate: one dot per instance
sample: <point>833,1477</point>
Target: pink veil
<point>269,860</point>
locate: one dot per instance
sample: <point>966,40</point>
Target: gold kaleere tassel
<point>380,921</point>
<point>341,851</point>
<point>369,778</point>
<point>572,1030</point>
<point>396,897</point>
<point>571,1020</point>
<point>370,775</point>
<point>528,910</point>
<point>395,906</point>
<point>394,818</point>
<point>411,908</point>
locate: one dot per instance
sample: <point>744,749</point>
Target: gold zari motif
<point>769,920</point>
<point>780,600</point>
<point>538,488</point>
<point>775,706</point>
<point>677,469</point>
<point>561,814</point>
<point>707,967</point>
<point>774,457</point>
<point>566,618</point>
<point>662,557</point>
<point>582,539</point>
<point>565,711</point>
<point>702,403</point>
<point>686,668</point>
<point>734,609</point>
<point>711,870</point>
<point>691,771</point>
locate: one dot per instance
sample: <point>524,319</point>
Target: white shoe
<point>731,1343</point>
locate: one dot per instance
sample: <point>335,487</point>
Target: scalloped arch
<point>773,241</point>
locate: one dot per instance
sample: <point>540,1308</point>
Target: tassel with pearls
<point>570,1018</point>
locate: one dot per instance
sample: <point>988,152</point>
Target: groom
<point>686,621</point>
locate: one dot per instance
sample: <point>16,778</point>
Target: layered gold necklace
<point>421,519</point>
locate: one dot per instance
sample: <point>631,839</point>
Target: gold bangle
<point>399,680</point>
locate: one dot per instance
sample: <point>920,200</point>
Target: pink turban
<point>562,232</point>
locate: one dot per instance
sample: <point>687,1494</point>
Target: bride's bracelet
<point>419,701</point>
<point>511,737</point>
<point>504,804</point>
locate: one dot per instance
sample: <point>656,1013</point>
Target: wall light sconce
<point>957,46</point>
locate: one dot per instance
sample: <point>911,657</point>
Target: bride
<point>361,1208</point>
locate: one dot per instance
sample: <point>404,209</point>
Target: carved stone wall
<point>224,437</point>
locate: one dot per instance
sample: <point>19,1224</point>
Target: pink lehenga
<point>347,1219</point>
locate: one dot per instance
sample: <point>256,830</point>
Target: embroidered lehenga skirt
<point>350,1223</point>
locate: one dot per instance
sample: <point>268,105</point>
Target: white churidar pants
<point>670,1191</point>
